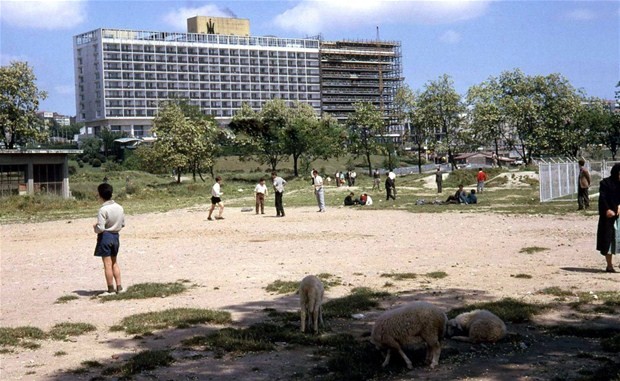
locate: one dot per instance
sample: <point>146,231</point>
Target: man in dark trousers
<point>583,186</point>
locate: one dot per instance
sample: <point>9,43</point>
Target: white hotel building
<point>121,76</point>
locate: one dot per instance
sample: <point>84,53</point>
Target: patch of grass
<point>555,291</point>
<point>533,249</point>
<point>21,336</point>
<point>522,276</point>
<point>608,298</point>
<point>144,323</point>
<point>507,309</point>
<point>145,360</point>
<point>611,344</point>
<point>436,275</point>
<point>360,299</point>
<point>148,290</point>
<point>579,331</point>
<point>388,284</point>
<point>65,299</point>
<point>399,276</point>
<point>355,361</point>
<point>283,287</point>
<point>329,280</point>
<point>91,364</point>
<point>60,353</point>
<point>62,330</point>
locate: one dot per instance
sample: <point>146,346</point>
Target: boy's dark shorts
<point>107,245</point>
<point>215,200</point>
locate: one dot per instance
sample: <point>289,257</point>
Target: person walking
<point>110,221</point>
<point>216,199</point>
<point>376,180</point>
<point>278,186</point>
<point>390,188</point>
<point>438,179</point>
<point>260,191</point>
<point>318,190</point>
<point>607,232</point>
<point>481,177</point>
<point>583,190</point>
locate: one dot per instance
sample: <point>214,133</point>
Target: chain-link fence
<point>558,178</point>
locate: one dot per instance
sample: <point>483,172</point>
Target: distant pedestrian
<point>439,179</point>
<point>376,180</point>
<point>583,190</point>
<point>607,233</point>
<point>110,221</point>
<point>260,191</point>
<point>216,199</point>
<point>337,178</point>
<point>278,186</point>
<point>481,177</point>
<point>319,192</point>
<point>390,188</point>
<point>352,177</point>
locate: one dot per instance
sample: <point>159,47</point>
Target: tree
<point>261,134</point>
<point>600,124</point>
<point>365,124</point>
<point>19,102</point>
<point>183,143</point>
<point>441,111</point>
<point>406,102</point>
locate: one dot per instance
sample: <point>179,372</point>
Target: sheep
<point>478,325</point>
<point>310,299</point>
<point>409,324</point>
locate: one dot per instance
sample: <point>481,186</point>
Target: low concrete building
<point>31,172</point>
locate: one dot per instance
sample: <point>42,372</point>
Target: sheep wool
<point>311,292</point>
<point>409,324</point>
<point>477,326</point>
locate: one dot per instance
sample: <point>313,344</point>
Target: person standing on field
<point>216,199</point>
<point>583,190</point>
<point>607,233</point>
<point>278,186</point>
<point>481,177</point>
<point>376,180</point>
<point>261,191</point>
<point>110,221</point>
<point>319,191</point>
<point>438,179</point>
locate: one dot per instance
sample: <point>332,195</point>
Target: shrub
<point>72,170</point>
<point>96,163</point>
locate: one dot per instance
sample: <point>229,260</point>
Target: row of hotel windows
<point>153,101</point>
<point>214,75</point>
<point>205,67</point>
<point>180,51</point>
<point>114,57</point>
<point>121,93</point>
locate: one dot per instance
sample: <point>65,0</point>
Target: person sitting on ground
<point>459,197</point>
<point>472,198</point>
<point>350,200</point>
<point>365,199</point>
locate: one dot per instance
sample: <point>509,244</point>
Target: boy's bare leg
<point>221,210</point>
<point>116,272</point>
<point>109,272</point>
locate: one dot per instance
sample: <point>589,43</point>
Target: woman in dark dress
<point>609,210</point>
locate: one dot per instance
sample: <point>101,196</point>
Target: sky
<point>468,40</point>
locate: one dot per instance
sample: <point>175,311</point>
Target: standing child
<point>110,221</point>
<point>216,199</point>
<point>261,192</point>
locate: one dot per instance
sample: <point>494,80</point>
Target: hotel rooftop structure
<point>122,76</point>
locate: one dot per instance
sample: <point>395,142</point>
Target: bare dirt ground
<point>233,260</point>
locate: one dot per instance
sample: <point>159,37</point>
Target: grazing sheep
<point>310,299</point>
<point>409,324</point>
<point>477,326</point>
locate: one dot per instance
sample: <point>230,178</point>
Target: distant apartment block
<point>122,76</point>
<point>52,117</point>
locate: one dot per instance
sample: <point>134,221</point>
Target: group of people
<point>111,216</point>
<point>345,177</point>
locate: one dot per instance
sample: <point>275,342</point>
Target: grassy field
<point>141,192</point>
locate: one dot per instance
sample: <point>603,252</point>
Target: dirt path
<point>233,260</point>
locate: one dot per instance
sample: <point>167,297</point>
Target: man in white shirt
<point>216,199</point>
<point>278,186</point>
<point>318,190</point>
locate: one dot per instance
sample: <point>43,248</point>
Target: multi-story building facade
<point>122,76</point>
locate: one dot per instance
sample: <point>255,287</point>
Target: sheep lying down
<point>311,292</point>
<point>409,324</point>
<point>477,326</point>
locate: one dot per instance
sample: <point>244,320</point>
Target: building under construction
<point>359,71</point>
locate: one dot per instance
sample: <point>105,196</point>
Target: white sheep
<point>477,326</point>
<point>310,299</point>
<point>409,324</point>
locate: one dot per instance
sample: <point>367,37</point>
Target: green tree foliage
<point>441,111</point>
<point>406,101</point>
<point>184,143</point>
<point>599,124</point>
<point>107,140</point>
<point>365,125</point>
<point>19,102</point>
